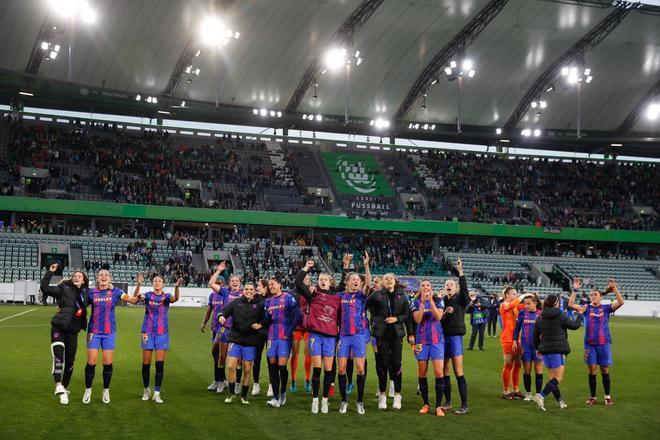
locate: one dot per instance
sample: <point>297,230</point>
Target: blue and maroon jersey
<point>282,314</point>
<point>217,302</point>
<point>429,329</point>
<point>352,315</point>
<point>102,318</point>
<point>156,308</point>
<point>229,296</point>
<point>597,325</point>
<point>526,321</point>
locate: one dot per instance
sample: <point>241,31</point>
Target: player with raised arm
<point>551,340</point>
<point>391,321</point>
<point>247,315</point>
<point>229,294</point>
<point>215,304</point>
<point>597,336</point>
<point>510,348</point>
<point>101,331</point>
<point>352,330</point>
<point>323,325</point>
<point>155,330</point>
<point>456,300</point>
<point>524,332</point>
<point>70,319</point>
<point>427,311</point>
<point>282,316</point>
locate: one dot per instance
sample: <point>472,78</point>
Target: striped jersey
<point>102,318</point>
<point>352,315</point>
<point>597,324</point>
<point>280,308</point>
<point>156,308</point>
<point>429,329</point>
<point>526,321</point>
<point>229,296</point>
<point>217,302</point>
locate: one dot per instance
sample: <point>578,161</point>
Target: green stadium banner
<point>356,174</point>
<point>201,215</point>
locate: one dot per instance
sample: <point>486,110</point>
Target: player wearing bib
<point>597,337</point>
<point>247,313</point>
<point>282,316</point>
<point>352,331</point>
<point>101,331</point>
<point>524,332</point>
<point>427,312</point>
<point>70,319</point>
<point>510,349</point>
<point>456,300</point>
<point>551,340</point>
<point>216,303</point>
<point>155,330</point>
<point>323,326</point>
<point>229,294</point>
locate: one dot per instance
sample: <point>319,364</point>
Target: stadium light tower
<point>215,34</point>
<point>333,60</point>
<point>457,70</point>
<point>577,75</point>
<point>72,11</point>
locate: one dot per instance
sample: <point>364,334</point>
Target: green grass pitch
<point>29,410</point>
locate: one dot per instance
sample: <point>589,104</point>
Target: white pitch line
<point>18,314</point>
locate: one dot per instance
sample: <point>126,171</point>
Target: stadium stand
<point>231,173</point>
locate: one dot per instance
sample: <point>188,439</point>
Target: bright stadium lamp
<point>653,111</point>
<point>335,58</point>
<point>74,8</point>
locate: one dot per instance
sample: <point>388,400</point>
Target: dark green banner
<point>356,174</point>
<point>122,210</point>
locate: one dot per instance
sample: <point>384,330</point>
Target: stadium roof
<point>138,47</point>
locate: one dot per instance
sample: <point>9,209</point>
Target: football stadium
<point>329,219</point>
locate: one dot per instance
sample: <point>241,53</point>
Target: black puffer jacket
<point>550,336</point>
<point>453,324</point>
<point>244,314</point>
<point>71,301</point>
<point>378,302</point>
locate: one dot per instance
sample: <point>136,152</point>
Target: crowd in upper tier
<point>106,163</point>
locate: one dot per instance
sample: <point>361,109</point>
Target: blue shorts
<point>321,345</point>
<point>374,342</point>
<point>102,341</point>
<point>214,335</point>
<point>529,354</point>
<point>224,334</point>
<point>598,355</point>
<point>434,352</point>
<point>278,348</point>
<point>367,336</point>
<point>555,360</point>
<point>453,346</point>
<point>155,342</point>
<point>352,344</point>
<point>241,352</point>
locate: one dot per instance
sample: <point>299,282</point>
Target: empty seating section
<point>19,255</point>
<point>19,259</point>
